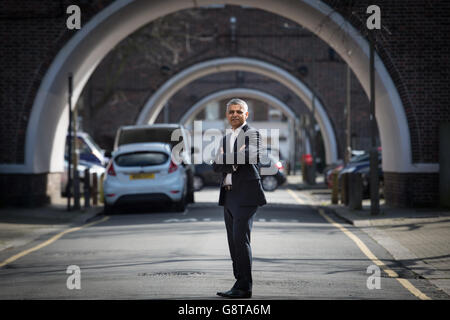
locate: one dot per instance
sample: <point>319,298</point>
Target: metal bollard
<point>101,195</point>
<point>335,189</point>
<point>76,190</point>
<point>303,170</point>
<point>344,188</point>
<point>94,192</point>
<point>355,189</point>
<point>87,189</point>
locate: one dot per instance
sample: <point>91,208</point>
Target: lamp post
<point>69,141</point>
<point>374,179</point>
<point>348,149</point>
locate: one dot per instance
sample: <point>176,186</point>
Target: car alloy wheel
<point>269,183</point>
<point>381,189</point>
<point>198,183</point>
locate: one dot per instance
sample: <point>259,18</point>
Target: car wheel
<point>381,189</point>
<point>269,183</point>
<point>198,183</point>
<point>190,197</point>
<point>180,206</point>
<point>108,209</point>
<point>191,189</point>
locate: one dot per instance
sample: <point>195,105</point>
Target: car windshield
<point>141,159</point>
<point>89,139</point>
<point>147,135</point>
<point>359,158</point>
<point>273,158</point>
<point>275,152</point>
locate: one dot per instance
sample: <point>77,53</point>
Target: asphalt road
<point>155,254</point>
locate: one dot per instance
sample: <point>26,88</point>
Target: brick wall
<point>414,46</point>
<point>29,190</point>
<point>32,34</point>
<point>411,189</point>
<point>269,38</point>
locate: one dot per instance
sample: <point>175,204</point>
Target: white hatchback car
<point>144,173</point>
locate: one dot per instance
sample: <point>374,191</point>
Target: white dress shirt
<point>234,134</point>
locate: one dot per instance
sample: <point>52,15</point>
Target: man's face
<point>236,115</point>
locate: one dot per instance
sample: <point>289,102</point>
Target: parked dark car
<point>328,170</point>
<point>91,157</point>
<point>205,176</point>
<point>355,163</point>
<point>365,175</point>
<point>272,182</point>
<point>88,150</point>
<point>82,165</point>
<point>357,155</point>
<point>361,164</point>
<point>284,162</point>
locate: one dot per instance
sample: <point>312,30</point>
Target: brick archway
<point>330,151</point>
<point>154,105</point>
<point>237,92</point>
<point>48,120</point>
<point>86,49</point>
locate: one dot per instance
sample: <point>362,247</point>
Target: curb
<point>27,235</point>
<point>342,213</point>
<point>400,253</point>
<point>88,216</point>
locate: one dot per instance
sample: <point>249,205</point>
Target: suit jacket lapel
<point>235,143</point>
<point>226,143</point>
<point>239,137</point>
<point>226,146</point>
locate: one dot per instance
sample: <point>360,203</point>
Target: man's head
<point>237,112</point>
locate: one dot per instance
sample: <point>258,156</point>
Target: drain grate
<point>171,274</point>
<point>403,274</point>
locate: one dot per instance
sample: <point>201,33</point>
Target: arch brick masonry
<point>39,50</point>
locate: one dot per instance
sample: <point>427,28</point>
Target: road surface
<point>298,253</point>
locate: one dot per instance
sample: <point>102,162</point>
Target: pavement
<point>417,238</point>
<point>20,226</point>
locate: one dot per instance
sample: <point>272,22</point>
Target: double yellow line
<point>391,273</point>
<point>49,241</point>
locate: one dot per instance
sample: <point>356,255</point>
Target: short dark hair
<point>237,101</point>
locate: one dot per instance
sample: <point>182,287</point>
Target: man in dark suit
<point>240,193</point>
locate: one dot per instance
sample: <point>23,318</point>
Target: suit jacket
<point>246,181</point>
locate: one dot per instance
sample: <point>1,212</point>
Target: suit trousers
<point>239,222</point>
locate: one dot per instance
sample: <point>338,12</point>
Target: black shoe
<point>235,294</point>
